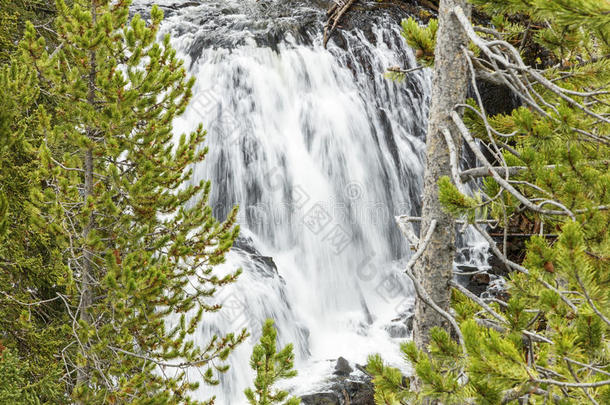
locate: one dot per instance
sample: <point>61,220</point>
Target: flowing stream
<point>320,152</point>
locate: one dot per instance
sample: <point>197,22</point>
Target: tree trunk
<point>434,269</point>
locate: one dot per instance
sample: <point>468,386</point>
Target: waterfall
<point>320,152</point>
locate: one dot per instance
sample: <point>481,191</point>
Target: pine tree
<point>548,341</point>
<point>270,366</point>
<point>13,16</point>
<point>13,380</point>
<point>33,321</point>
<point>140,240</point>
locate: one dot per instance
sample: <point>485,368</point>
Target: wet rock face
<point>264,265</point>
<point>402,326</point>
<point>270,22</point>
<point>497,99</point>
<point>230,23</point>
<point>347,387</point>
<point>361,393</point>
<point>362,13</point>
<point>399,329</point>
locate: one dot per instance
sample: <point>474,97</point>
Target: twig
<point>397,69</point>
<point>520,66</point>
<point>479,301</point>
<point>421,292</point>
<point>586,391</point>
<point>336,12</point>
<point>484,171</point>
<point>29,304</point>
<point>572,385</point>
<point>407,218</point>
<point>453,160</point>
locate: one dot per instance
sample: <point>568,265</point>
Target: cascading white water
<point>321,152</point>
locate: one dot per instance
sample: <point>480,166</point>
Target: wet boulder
<point>321,398</point>
<point>345,386</point>
<point>342,368</point>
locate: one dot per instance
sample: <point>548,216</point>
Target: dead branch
<point>421,292</point>
<point>519,66</point>
<point>335,13</point>
<point>483,171</point>
<point>398,69</point>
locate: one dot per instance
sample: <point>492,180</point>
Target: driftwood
<point>334,14</point>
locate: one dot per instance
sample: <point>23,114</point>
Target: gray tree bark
<point>434,269</point>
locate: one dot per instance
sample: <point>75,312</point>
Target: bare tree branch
<point>421,292</point>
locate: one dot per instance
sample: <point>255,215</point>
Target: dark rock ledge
<point>346,387</point>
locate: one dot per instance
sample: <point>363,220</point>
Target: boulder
<point>360,392</point>
<point>345,387</point>
<point>321,398</point>
<point>342,368</point>
<point>399,329</point>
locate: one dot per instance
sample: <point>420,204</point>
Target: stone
<point>400,327</point>
<point>321,398</point>
<point>465,268</point>
<point>360,393</point>
<point>397,330</point>
<point>349,388</point>
<point>342,368</point>
<point>481,278</point>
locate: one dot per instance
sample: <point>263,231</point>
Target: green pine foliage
<point>391,387</point>
<point>587,15</point>
<point>8,23</point>
<point>422,39</point>
<point>17,387</point>
<point>33,321</point>
<point>439,372</point>
<point>13,16</point>
<point>551,343</point>
<point>271,366</point>
<point>104,219</point>
<point>455,202</point>
<point>562,27</point>
<point>13,381</point>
